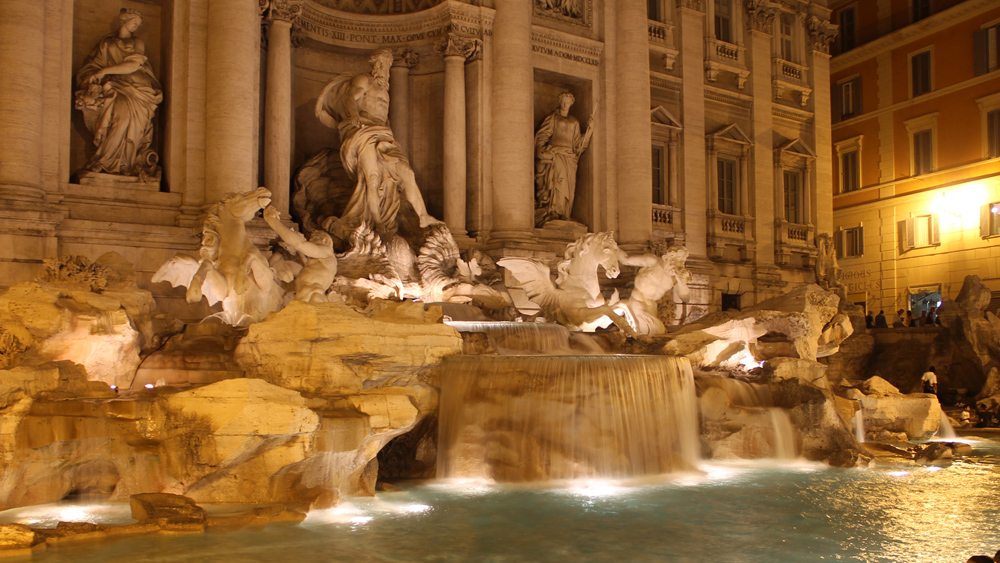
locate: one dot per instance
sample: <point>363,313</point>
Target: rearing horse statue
<point>575,299</point>
<point>231,269</point>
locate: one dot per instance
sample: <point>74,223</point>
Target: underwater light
<point>148,386</point>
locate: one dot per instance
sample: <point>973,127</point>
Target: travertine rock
<point>330,348</point>
<point>879,387</point>
<point>917,415</point>
<point>17,536</point>
<point>166,509</point>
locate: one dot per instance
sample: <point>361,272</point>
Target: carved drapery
<point>761,14</point>
<point>821,34</point>
<point>576,11</point>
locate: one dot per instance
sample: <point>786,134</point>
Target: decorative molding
<point>404,56</point>
<point>331,27</point>
<point>791,114</point>
<point>566,46</point>
<point>760,15</point>
<point>455,45</point>
<point>379,7</point>
<point>579,12</point>
<point>728,98</point>
<point>821,34</point>
<point>696,5</point>
<point>282,10</point>
<point>669,83</point>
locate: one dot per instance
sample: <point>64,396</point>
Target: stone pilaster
<point>22,56</point>
<point>399,94</point>
<point>634,153</point>
<point>513,127</point>
<point>760,23</point>
<point>280,16</point>
<point>455,49</point>
<point>694,178</point>
<point>231,99</point>
<point>821,33</point>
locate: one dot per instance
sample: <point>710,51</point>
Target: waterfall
<point>520,338</point>
<point>530,418</point>
<point>784,435</point>
<point>859,426</point>
<point>739,420</point>
<point>945,431</point>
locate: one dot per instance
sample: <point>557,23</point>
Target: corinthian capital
<point>821,33</point>
<point>760,15</point>
<point>281,10</point>
<point>404,56</point>
<point>454,45</point>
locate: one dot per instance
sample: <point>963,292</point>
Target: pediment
<point>660,116</point>
<point>731,132</point>
<point>797,148</point>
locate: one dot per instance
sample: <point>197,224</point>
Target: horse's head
<point>245,205</point>
<point>605,252</point>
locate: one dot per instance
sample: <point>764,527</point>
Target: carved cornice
<point>455,45</point>
<point>821,34</point>
<point>404,56</point>
<point>728,98</point>
<point>333,27</point>
<point>760,15</point>
<point>691,5</point>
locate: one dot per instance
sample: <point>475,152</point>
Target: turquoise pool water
<point>733,512</point>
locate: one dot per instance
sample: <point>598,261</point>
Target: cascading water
<point>528,418</point>
<point>520,338</point>
<point>945,431</point>
<point>739,420</point>
<point>859,426</point>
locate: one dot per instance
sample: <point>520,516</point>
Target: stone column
<point>22,52</point>
<point>233,69</point>
<point>821,33</point>
<point>278,102</point>
<point>399,95</point>
<point>760,24</point>
<point>634,151</point>
<point>698,197</point>
<point>455,49</point>
<point>513,127</point>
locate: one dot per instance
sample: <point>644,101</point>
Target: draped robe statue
<point>558,146</point>
<point>118,96</point>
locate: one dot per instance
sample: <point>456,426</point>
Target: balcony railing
<point>666,217</point>
<point>657,32</point>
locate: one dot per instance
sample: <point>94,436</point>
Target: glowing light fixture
<point>148,386</point>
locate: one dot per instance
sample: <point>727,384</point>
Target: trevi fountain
<point>333,373</point>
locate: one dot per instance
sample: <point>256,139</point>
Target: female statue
<point>118,95</point>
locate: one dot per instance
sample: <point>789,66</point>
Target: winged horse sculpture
<point>575,299</point>
<point>230,269</point>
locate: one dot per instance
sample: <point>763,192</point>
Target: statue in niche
<point>827,269</point>
<point>558,146</point>
<point>229,269</point>
<point>118,95</point>
<point>319,263</point>
<point>657,275</point>
<point>358,106</point>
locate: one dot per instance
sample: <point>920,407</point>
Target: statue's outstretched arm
<point>273,218</point>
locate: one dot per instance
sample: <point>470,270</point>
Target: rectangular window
<point>850,242</point>
<point>989,220</point>
<point>987,49</point>
<point>993,134</point>
<point>653,10</point>
<point>922,152</point>
<point>727,186</point>
<point>847,99</point>
<point>787,45</point>
<point>917,232</point>
<point>659,175</point>
<point>724,20</point>
<point>793,196</point>
<point>848,31</point>
<point>849,171</point>
<point>920,73</point>
<point>921,9</point>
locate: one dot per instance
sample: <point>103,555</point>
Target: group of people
<point>984,558</point>
<point>904,318</point>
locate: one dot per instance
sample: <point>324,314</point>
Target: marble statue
<point>118,94</point>
<point>827,269</point>
<point>657,275</point>
<point>575,299</point>
<point>230,269</point>
<point>319,261</point>
<point>358,106</point>
<point>558,146</point>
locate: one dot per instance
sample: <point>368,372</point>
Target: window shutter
<point>857,96</point>
<point>906,241</point>
<point>837,103</point>
<point>861,240</point>
<point>984,220</point>
<point>935,234</point>
<point>838,242</point>
<point>981,44</point>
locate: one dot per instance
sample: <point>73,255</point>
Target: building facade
<point>728,99</point>
<point>916,149</point>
